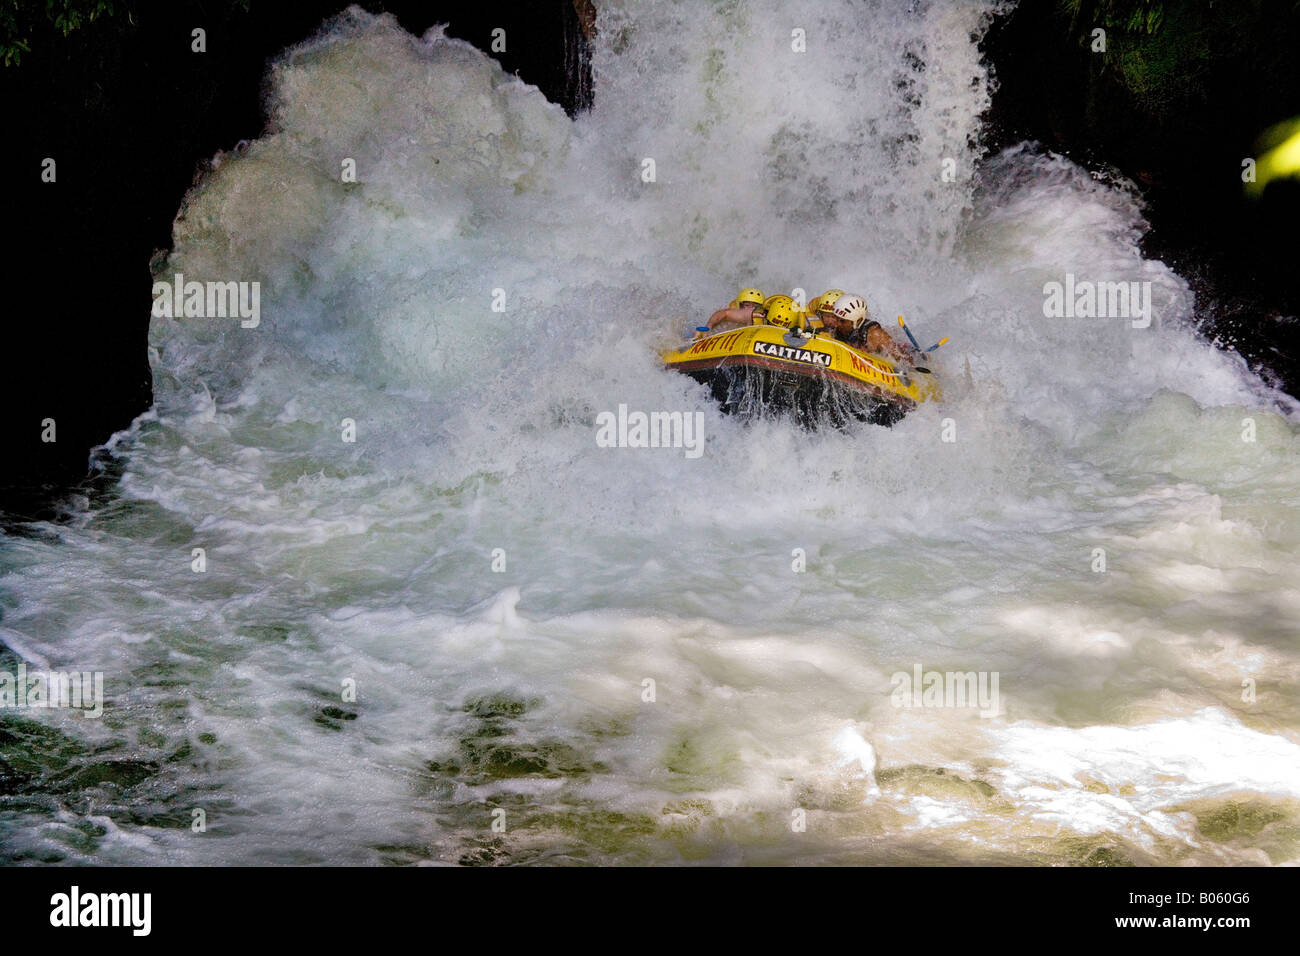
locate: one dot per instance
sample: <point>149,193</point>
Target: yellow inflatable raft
<point>816,376</point>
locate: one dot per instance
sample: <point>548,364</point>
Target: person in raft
<point>819,310</point>
<point>746,309</point>
<point>843,317</point>
<point>848,322</point>
<point>875,338</point>
<point>784,313</point>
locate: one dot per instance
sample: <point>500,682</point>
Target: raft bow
<point>816,376</point>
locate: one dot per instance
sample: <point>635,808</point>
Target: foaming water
<point>637,655</point>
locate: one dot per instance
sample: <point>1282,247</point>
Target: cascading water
<point>636,654</point>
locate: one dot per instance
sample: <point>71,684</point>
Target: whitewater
<point>364,588</point>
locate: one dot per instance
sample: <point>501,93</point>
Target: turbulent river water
<point>434,621</point>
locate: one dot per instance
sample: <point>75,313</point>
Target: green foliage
<point>1163,52</point>
<point>1164,69</point>
<point>19,19</point>
<point>1134,16</point>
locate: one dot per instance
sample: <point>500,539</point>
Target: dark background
<point>130,114</point>
<point>1175,110</point>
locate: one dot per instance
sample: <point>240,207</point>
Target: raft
<point>817,378</point>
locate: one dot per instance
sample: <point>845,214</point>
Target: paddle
<point>911,338</point>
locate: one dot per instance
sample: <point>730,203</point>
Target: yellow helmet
<point>823,302</point>
<point>748,295</point>
<point>782,311</point>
